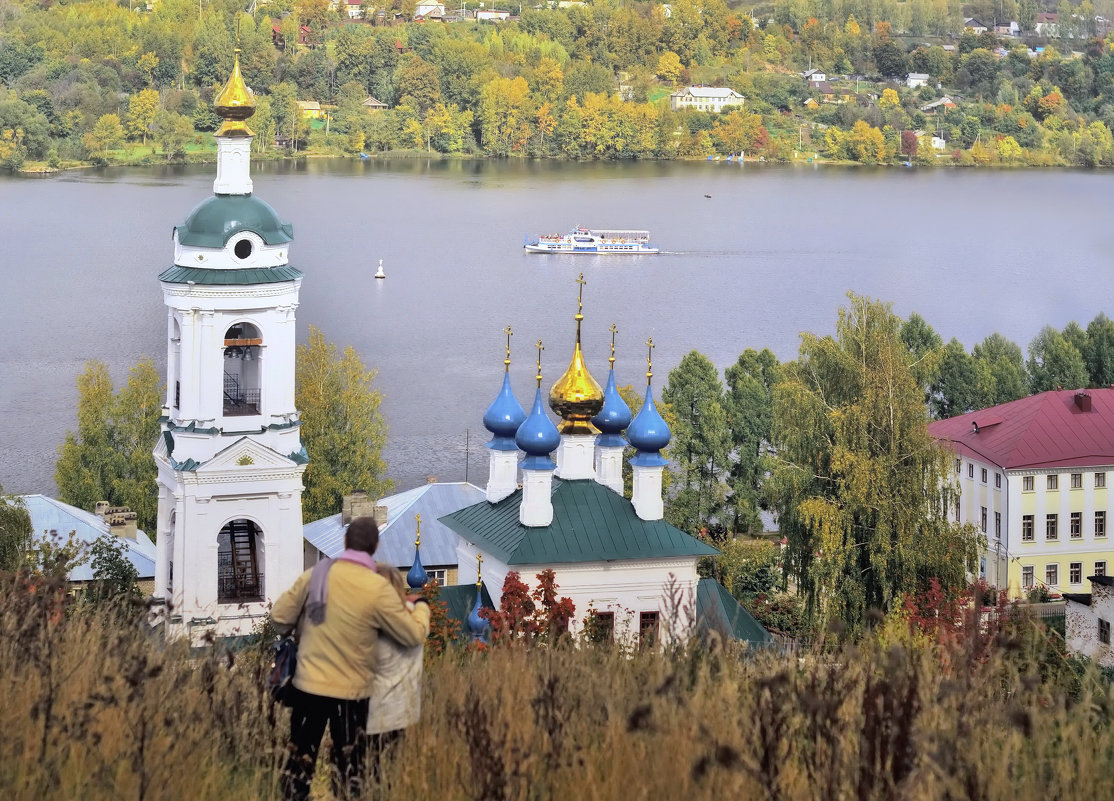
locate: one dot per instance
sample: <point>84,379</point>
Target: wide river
<point>769,254</point>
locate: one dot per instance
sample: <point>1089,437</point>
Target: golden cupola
<point>235,104</point>
<point>576,397</point>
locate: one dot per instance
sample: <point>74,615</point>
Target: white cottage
<point>705,98</point>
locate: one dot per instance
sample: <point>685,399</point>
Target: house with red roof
<point>1033,477</point>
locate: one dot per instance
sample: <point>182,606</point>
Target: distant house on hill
<point>373,104</point>
<point>705,98</point>
<point>815,76</point>
<point>278,39</point>
<point>940,104</point>
<point>311,109</point>
<point>429,9</point>
<point>491,15</point>
<point>915,80</point>
<point>973,25</point>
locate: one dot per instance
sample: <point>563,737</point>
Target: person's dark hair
<point>362,535</point>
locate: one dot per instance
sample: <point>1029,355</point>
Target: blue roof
<point>537,437</point>
<point>50,517</point>
<point>396,539</point>
<point>649,433</point>
<point>613,417</point>
<point>503,417</point>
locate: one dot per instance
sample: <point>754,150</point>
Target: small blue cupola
<point>417,577</point>
<point>615,414</point>
<point>648,432</point>
<point>505,414</point>
<point>537,436</point>
<point>475,624</point>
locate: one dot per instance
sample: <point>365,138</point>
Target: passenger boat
<point>594,240</point>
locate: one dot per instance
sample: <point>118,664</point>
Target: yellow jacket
<point>336,657</point>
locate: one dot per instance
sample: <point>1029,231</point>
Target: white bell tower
<point>230,458</point>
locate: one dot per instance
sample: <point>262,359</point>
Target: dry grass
<point>95,709</point>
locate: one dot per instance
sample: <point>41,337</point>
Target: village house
<point>831,94</point>
<point>1007,28</point>
<point>814,77</point>
<point>915,80</point>
<point>973,25</point>
<point>1032,475</point>
<point>1047,23</point>
<point>491,15</point>
<point>705,98</point>
<point>429,9</point>
<point>939,105</point>
<point>311,110</point>
<point>373,105</point>
<point>278,39</point>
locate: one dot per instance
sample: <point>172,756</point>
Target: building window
<point>1100,568</point>
<point>1077,481</point>
<point>1076,525</point>
<point>998,481</point>
<point>1052,575</point>
<point>1026,528</point>
<point>601,627</point>
<point>983,475</point>
<point>1027,484</point>
<point>1027,577</point>
<point>1104,631</point>
<point>998,525</point>
<point>647,629</point>
<point>958,466</point>
<point>957,510</point>
<point>1075,570</point>
<point>1051,532</point>
<point>970,470</point>
<point>1053,482</point>
<point>243,373</point>
<point>439,576</point>
<point>982,520</point>
<point>1100,524</point>
<point>177,394</point>
<point>240,562</point>
<point>1100,480</point>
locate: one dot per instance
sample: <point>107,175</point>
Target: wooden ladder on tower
<point>245,565</point>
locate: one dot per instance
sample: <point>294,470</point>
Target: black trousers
<point>347,721</point>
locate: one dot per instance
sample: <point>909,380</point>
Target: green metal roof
<point>206,276</point>
<point>717,610</point>
<point>214,220</point>
<point>591,523</point>
<point>461,598</point>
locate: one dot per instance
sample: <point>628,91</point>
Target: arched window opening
<point>239,562</point>
<point>242,372</point>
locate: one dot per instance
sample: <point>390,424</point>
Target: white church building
<point>230,458</point>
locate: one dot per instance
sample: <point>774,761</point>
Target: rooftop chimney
<point>121,521</point>
<point>1083,401</point>
<point>355,504</point>
<point>380,515</point>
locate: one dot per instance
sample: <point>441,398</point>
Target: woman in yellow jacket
<point>344,604</point>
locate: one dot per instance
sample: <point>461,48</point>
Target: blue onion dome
<point>503,418</point>
<point>648,433</point>
<point>417,577</point>
<point>613,417</point>
<point>476,625</point>
<point>538,437</point>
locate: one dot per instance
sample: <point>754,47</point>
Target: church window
<point>242,249</point>
<point>239,562</point>
<point>647,629</point>
<point>601,627</point>
<point>242,370</point>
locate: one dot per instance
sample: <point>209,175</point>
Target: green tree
<point>106,134</point>
<point>1001,368</point>
<point>1099,353</point>
<point>343,429</point>
<point>926,348</point>
<point>956,388</point>
<point>1055,363</point>
<point>115,578</point>
<point>142,109</point>
<point>749,403</point>
<point>110,457</point>
<point>173,132</point>
<point>15,532</point>
<point>701,442</point>
<point>862,489</point>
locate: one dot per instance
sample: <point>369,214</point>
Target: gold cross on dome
<point>479,566</point>
<point>649,363</point>
<point>507,360</point>
<point>613,331</point>
<point>580,295</point>
<point>540,348</point>
<point>418,529</point>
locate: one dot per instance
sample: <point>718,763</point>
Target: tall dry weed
<point>95,708</point>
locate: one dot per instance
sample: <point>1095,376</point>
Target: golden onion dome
<point>576,397</point>
<point>235,104</point>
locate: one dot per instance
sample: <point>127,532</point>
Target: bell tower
<point>230,458</point>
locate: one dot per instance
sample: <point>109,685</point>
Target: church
<point>230,458</point>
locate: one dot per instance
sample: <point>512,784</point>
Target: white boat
<point>594,240</point>
<point>379,273</point>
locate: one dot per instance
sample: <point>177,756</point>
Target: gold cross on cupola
<point>649,363</point>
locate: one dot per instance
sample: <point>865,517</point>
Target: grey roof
<point>396,539</point>
<point>50,517</point>
<point>591,523</point>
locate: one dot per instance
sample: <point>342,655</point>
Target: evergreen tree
<point>956,388</point>
<point>701,442</point>
<point>110,458</point>
<point>343,429</point>
<point>862,490</point>
<point>749,403</point>
<point>1054,362</point>
<point>1001,368</point>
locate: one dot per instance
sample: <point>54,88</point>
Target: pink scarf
<point>318,581</point>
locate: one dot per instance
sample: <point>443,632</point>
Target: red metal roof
<point>1045,430</point>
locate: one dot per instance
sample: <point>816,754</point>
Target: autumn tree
<point>669,67</point>
<point>701,444</point>
<point>109,457</point>
<point>530,616</point>
<point>505,114</point>
<point>142,109</point>
<point>105,135</point>
<point>862,490</point>
<point>343,429</point>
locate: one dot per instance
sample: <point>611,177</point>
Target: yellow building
<point>1033,476</point>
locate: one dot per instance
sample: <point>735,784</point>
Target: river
<point>769,254</point>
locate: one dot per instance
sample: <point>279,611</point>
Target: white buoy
<point>379,273</point>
